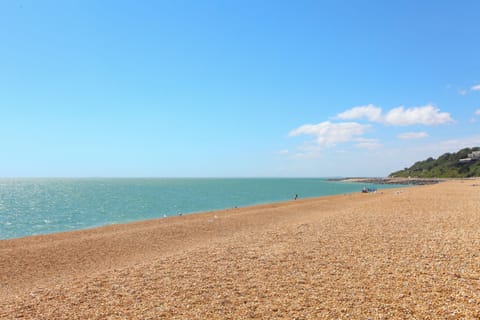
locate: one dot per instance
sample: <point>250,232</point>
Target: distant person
<point>296,197</point>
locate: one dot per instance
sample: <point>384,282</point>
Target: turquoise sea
<point>41,206</point>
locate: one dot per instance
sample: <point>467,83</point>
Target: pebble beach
<point>409,253</point>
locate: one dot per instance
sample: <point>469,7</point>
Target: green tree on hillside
<point>447,165</point>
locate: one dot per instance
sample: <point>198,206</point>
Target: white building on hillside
<point>475,155</point>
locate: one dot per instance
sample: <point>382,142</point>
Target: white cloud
<point>477,112</point>
<point>329,134</point>
<point>475,87</point>
<point>412,135</point>
<point>428,115</point>
<point>425,115</point>
<point>370,112</point>
<point>462,91</point>
<point>367,143</point>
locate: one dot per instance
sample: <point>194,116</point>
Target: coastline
<point>396,253</point>
<point>75,204</point>
<point>398,181</point>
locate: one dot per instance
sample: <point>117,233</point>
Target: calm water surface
<point>40,206</point>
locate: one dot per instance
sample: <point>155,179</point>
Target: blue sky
<point>235,88</point>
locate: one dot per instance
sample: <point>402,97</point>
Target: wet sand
<point>395,254</point>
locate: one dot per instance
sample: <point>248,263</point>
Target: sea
<point>42,206</point>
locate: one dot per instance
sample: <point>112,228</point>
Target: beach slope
<point>395,254</point>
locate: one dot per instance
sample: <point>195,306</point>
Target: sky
<point>235,88</point>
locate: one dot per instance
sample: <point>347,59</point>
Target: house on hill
<point>475,155</point>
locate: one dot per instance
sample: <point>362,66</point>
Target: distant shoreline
<point>74,204</point>
<point>403,181</point>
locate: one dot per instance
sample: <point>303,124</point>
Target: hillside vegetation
<point>447,165</point>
